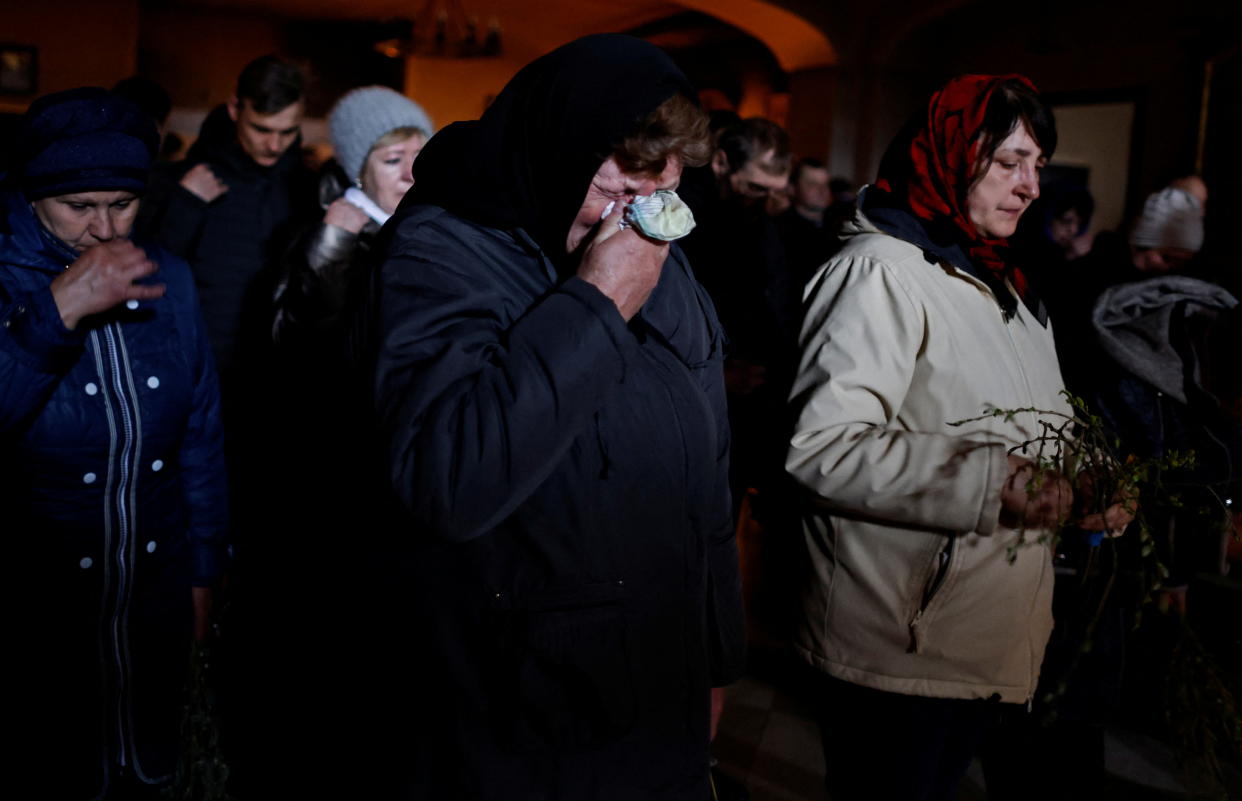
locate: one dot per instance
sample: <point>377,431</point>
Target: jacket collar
<point>23,239</point>
<point>937,247</point>
<point>217,144</point>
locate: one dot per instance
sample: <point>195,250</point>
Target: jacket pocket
<point>939,571</point>
<point>564,677</point>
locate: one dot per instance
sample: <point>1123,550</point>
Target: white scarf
<point>359,198</point>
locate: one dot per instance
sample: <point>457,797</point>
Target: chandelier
<point>444,29</point>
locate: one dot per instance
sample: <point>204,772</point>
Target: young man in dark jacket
<point>230,208</point>
<point>809,231</point>
<point>738,255</point>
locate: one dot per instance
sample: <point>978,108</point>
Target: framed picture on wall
<point>19,69</point>
<point>1099,147</point>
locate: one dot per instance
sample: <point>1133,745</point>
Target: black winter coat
<point>234,243</point>
<point>574,592</point>
<point>323,277</point>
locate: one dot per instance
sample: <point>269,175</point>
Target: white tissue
<point>661,215</point>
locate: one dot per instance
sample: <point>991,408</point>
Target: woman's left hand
<point>346,215</point>
<point>1115,518</point>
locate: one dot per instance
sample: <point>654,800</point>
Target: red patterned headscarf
<point>934,179</point>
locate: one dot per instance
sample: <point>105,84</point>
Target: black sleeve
<point>170,214</point>
<point>319,269</point>
<point>478,401</point>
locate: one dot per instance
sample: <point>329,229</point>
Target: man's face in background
<point>266,137</point>
<point>754,181</point>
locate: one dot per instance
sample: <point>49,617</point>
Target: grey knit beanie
<point>1171,218</point>
<point>362,116</point>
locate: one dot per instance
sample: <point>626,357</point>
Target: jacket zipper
<point>1026,383</point>
<point>125,458</point>
<point>107,607</point>
<point>944,559</point>
<point>1017,360</point>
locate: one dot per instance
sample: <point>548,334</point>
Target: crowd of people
<point>448,447</point>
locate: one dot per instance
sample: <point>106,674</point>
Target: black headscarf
<point>528,162</point>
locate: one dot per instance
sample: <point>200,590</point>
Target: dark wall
<point>1222,169</point>
<point>1151,52</point>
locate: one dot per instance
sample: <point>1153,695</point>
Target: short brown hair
<point>751,139</point>
<point>805,163</point>
<point>677,127</point>
<point>270,84</point>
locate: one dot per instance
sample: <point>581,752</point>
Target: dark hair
<point>1078,198</point>
<point>751,138</point>
<point>840,186</point>
<point>1062,199</point>
<point>270,84</point>
<point>721,118</point>
<point>1013,103</point>
<point>147,95</point>
<point>805,163</point>
<point>676,127</point>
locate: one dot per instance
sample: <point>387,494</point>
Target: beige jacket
<point>913,591</point>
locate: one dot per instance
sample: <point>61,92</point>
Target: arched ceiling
<point>796,43</point>
<point>530,29</point>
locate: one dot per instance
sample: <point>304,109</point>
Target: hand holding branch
<point>1034,498</point>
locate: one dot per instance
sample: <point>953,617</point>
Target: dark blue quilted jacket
<point>113,492</point>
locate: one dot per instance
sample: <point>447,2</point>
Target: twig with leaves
<point>202,774</point>
<point>1200,709</point>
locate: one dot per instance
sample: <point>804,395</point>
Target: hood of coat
<point>1145,326</point>
<point>24,241</point>
<point>938,245</point>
